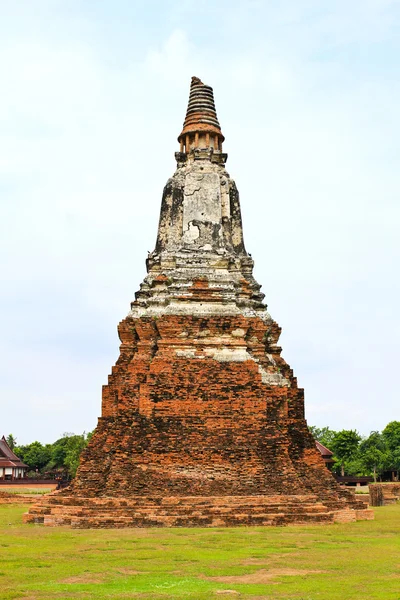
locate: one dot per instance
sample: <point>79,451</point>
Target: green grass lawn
<point>344,562</point>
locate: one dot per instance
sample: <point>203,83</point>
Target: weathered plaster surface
<point>200,238</point>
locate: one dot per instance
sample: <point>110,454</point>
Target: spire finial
<point>201,127</point>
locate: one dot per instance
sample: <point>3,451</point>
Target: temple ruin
<point>202,421</point>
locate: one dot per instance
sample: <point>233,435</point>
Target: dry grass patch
<point>130,572</point>
<point>263,576</point>
<point>85,578</point>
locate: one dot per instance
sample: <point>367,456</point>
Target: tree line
<point>358,455</point>
<point>60,458</point>
<point>353,454</point>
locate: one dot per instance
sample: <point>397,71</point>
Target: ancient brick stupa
<point>202,420</point>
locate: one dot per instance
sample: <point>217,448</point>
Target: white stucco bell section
<point>200,251</point>
<point>202,198</point>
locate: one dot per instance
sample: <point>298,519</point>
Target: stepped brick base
<point>189,511</point>
<point>7,498</point>
<point>190,437</point>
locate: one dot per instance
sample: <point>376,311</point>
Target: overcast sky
<point>93,97</point>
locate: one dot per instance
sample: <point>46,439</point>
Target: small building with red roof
<point>11,467</point>
<point>326,454</point>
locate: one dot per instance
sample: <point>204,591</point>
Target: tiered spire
<point>201,128</point>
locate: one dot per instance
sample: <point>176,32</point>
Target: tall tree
<point>393,463</point>
<point>345,446</point>
<point>73,450</point>
<point>11,441</point>
<point>391,434</point>
<point>35,455</point>
<point>325,435</point>
<point>59,451</point>
<point>374,454</point>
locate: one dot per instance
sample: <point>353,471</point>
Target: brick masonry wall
<point>10,498</point>
<point>384,494</point>
<point>202,407</point>
<point>175,419</point>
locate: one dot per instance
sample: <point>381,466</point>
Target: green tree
<point>345,447</point>
<point>391,435</point>
<point>73,450</point>
<point>325,435</point>
<point>374,440</point>
<point>376,461</point>
<point>64,453</point>
<point>374,454</point>
<point>394,463</point>
<point>353,466</point>
<point>59,451</point>
<point>11,441</point>
<point>35,455</point>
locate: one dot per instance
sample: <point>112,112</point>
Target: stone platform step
<point>133,501</point>
<point>102,521</point>
<point>187,511</point>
